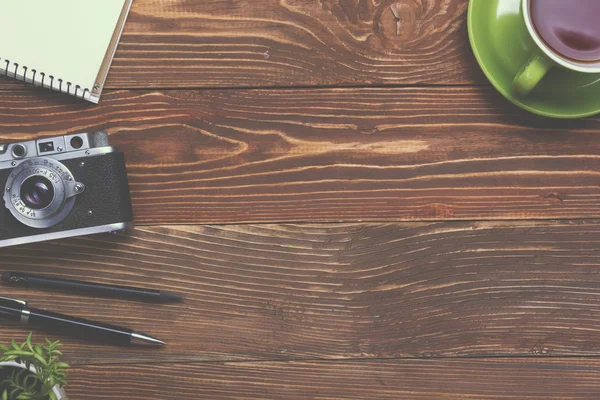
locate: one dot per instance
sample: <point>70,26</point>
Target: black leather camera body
<point>62,187</point>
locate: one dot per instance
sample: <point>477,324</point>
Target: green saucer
<point>502,45</point>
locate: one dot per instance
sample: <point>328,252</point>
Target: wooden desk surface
<point>350,208</point>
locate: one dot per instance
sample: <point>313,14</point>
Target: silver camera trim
<point>55,147</point>
<point>65,156</point>
<point>110,228</point>
<point>64,185</point>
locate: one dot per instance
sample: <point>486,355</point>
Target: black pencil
<point>97,289</point>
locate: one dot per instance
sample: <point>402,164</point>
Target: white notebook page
<point>67,39</point>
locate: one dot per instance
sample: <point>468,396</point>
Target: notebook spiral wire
<point>50,79</point>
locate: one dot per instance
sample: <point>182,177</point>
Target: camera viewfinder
<point>46,147</point>
<point>19,151</point>
<point>76,142</point>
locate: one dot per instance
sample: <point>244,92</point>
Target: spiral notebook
<point>63,45</point>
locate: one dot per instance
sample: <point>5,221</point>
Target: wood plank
<point>233,156</point>
<point>279,292</point>
<point>491,379</point>
<point>246,43</point>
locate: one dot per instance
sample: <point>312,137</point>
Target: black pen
<point>68,285</point>
<point>18,311</point>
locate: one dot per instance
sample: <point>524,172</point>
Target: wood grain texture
<point>281,292</point>
<point>246,43</point>
<point>230,156</point>
<point>408,129</point>
<point>493,379</point>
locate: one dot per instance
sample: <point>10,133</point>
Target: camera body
<point>62,187</point>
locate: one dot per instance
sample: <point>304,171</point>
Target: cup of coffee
<point>566,34</point>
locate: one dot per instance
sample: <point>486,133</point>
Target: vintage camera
<point>61,187</point>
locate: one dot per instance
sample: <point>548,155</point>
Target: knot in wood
<point>398,22</point>
<point>398,27</point>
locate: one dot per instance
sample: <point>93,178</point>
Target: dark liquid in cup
<point>569,27</point>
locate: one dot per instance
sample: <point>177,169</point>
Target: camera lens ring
<point>55,174</point>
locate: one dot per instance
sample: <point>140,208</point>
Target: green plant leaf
<point>30,380</point>
<point>21,375</point>
<point>19,353</point>
<point>5,395</point>
<point>24,385</point>
<point>28,341</point>
<point>38,349</point>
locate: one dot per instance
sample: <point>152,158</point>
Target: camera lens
<point>40,192</point>
<point>37,192</point>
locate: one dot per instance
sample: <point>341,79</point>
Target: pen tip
<point>141,339</point>
<point>166,296</point>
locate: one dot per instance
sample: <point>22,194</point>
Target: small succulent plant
<point>23,384</point>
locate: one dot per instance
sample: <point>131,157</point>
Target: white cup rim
<point>566,63</point>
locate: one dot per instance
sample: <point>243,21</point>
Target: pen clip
<point>24,303</point>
